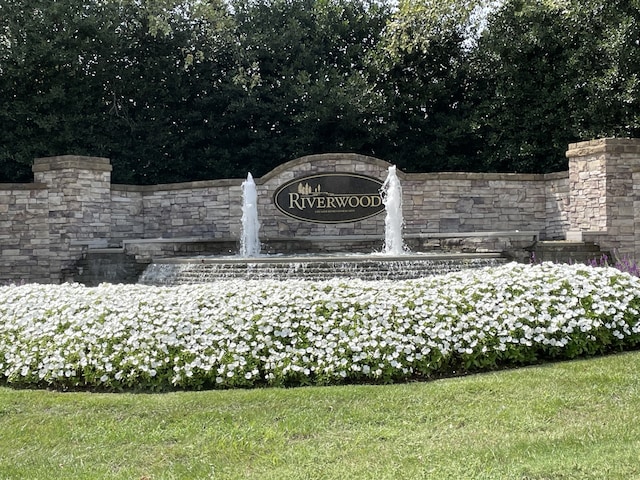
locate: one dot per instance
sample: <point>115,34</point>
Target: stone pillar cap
<point>63,162</point>
<point>604,145</point>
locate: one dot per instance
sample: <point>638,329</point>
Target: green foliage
<point>109,79</point>
<point>48,54</point>
<point>176,90</point>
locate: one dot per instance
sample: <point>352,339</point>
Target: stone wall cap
<point>474,176</point>
<point>334,238</point>
<point>422,235</point>
<point>108,250</point>
<point>89,242</point>
<point>165,187</point>
<point>556,175</point>
<point>480,234</point>
<point>136,241</point>
<point>23,186</point>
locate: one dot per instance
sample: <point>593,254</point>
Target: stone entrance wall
<point>47,226</point>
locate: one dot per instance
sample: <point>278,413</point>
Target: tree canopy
<point>175,90</point>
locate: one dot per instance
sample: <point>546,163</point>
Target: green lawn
<point>574,420</point>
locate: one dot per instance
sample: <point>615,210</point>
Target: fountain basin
<point>176,271</point>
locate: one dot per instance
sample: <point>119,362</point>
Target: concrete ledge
<point>176,240</point>
<point>326,258</point>
<point>507,233</point>
<point>116,250</point>
<point>574,236</point>
<point>90,243</point>
<point>341,238</point>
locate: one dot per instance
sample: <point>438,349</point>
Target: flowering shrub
<point>624,264</point>
<point>242,334</point>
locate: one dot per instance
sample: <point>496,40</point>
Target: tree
<point>425,75</point>
<point>111,79</point>
<point>609,54</point>
<point>551,72</point>
<point>47,54</point>
<point>306,79</point>
<point>169,70</point>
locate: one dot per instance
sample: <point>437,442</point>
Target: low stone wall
<point>47,226</point>
<point>202,209</point>
<point>433,203</point>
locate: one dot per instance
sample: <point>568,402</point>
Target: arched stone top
<point>329,162</point>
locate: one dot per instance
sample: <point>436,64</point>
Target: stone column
<point>601,193</point>
<point>79,207</point>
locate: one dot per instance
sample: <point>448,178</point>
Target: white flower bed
<point>237,333</point>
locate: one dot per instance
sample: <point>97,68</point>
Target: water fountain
<point>395,262</point>
<point>249,238</point>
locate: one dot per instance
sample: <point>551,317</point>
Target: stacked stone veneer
<point>433,203</point>
<point>604,181</point>
<point>46,226</point>
<point>25,252</point>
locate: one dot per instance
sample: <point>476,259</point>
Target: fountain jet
<point>391,192</point>
<point>249,239</point>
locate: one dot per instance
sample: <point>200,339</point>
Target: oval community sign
<point>330,198</point>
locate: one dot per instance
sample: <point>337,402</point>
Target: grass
<point>572,420</point>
